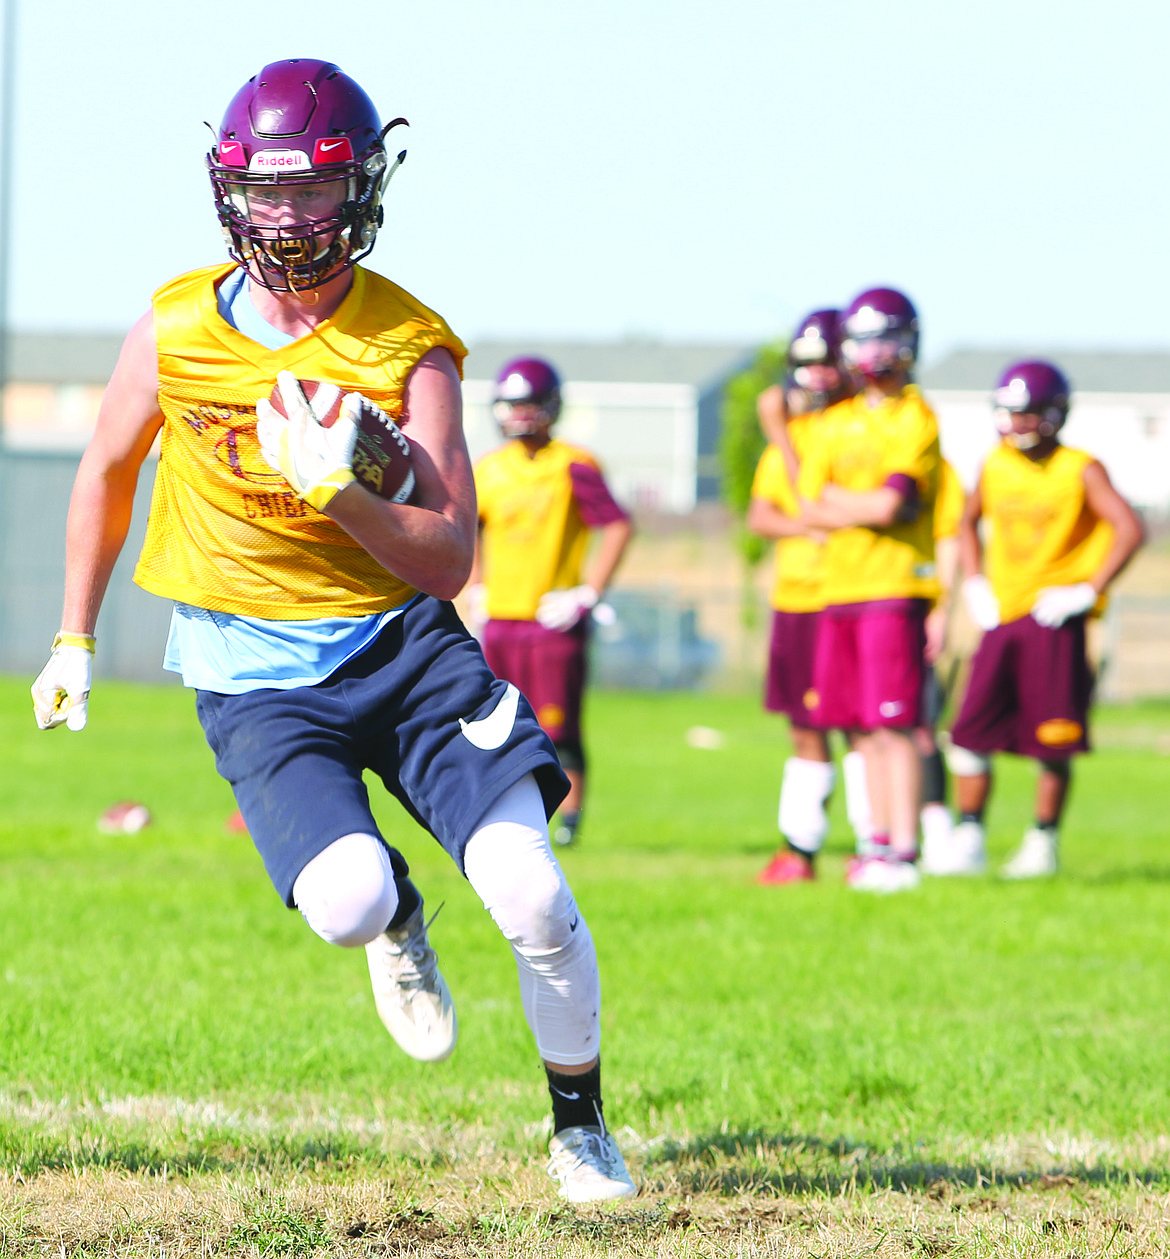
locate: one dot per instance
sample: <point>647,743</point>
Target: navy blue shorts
<point>419,708</point>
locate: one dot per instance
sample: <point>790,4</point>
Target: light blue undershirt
<point>230,654</point>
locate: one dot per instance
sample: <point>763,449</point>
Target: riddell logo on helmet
<point>280,159</point>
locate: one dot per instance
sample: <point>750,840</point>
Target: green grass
<point>160,1009</point>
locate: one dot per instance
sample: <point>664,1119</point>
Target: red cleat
<point>235,824</point>
<point>787,867</point>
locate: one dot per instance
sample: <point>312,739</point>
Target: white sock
<point>857,801</point>
<point>804,789</point>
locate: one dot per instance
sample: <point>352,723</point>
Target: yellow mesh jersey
<point>1041,531</point>
<point>533,538</point>
<point>948,506</point>
<point>859,448</point>
<point>798,572</point>
<point>226,532</point>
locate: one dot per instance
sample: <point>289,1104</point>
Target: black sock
<point>409,899</point>
<point>808,856</point>
<point>1051,827</point>
<point>934,779</point>
<point>977,818</point>
<point>576,1099</point>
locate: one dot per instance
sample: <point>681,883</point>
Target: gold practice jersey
<point>536,512</point>
<point>1041,530</point>
<point>226,532</point>
<point>948,506</point>
<point>862,448</point>
<point>798,573</point>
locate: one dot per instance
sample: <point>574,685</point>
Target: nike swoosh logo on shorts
<point>492,731</point>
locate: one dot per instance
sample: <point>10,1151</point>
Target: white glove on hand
<point>315,461</point>
<point>61,692</point>
<point>477,614</point>
<point>981,602</point>
<point>1055,604</point>
<point>562,609</point>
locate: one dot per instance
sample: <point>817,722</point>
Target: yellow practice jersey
<point>226,532</point>
<point>1041,531</point>
<point>535,512</point>
<point>862,448</point>
<point>948,506</point>
<point>797,579</point>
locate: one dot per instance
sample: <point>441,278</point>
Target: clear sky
<point>675,170</point>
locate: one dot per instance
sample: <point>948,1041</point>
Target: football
<point>127,817</point>
<point>381,458</point>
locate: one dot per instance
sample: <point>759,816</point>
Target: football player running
<point>870,480</point>
<point>791,416</point>
<point>532,598</point>
<point>312,617</point>
<point>1059,533</point>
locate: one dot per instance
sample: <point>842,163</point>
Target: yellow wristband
<point>85,641</point>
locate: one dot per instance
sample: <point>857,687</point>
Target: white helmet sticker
<point>280,159</point>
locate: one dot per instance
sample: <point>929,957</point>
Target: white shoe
<point>589,1166</point>
<point>410,994</point>
<point>962,853</point>
<point>882,874</point>
<point>1036,857</point>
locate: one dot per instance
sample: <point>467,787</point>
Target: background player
<point>871,480</point>
<point>538,500</point>
<point>815,382</point>
<point>312,616</point>
<point>1059,534</point>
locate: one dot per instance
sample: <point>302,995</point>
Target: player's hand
<point>936,633</point>
<point>315,461</point>
<point>1056,604</point>
<point>61,692</point>
<point>562,609</point>
<point>477,613</point>
<point>981,602</point>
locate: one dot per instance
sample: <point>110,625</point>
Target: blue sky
<point>675,170</point>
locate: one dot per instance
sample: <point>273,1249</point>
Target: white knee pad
<point>964,763</point>
<point>804,789</point>
<point>509,863</point>
<point>857,808</point>
<point>347,892</point>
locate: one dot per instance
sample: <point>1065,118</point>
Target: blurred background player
<point>870,480</point>
<point>312,617</point>
<point>1059,534</point>
<point>792,413</point>
<point>539,498</point>
<point>939,855</point>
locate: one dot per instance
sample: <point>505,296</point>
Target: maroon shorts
<point>1029,692</point>
<point>868,667</point>
<point>788,687</point>
<point>547,665</point>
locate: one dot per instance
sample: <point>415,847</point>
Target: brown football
<point>382,459</point>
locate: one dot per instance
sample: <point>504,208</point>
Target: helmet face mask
<point>526,400</point>
<point>880,334</point>
<point>298,172</point>
<point>814,363</point>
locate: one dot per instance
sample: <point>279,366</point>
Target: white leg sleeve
<point>510,865</point>
<point>347,892</point>
<point>964,763</point>
<point>804,789</point>
<point>857,798</point>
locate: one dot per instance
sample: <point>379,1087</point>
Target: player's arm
<point>946,564</point>
<point>613,539</point>
<point>103,491</point>
<point>770,521</point>
<point>839,508</point>
<point>430,541</point>
<point>772,412</point>
<point>1128,531</point>
<point>970,543</point>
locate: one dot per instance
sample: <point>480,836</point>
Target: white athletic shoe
<point>411,995</point>
<point>962,853</point>
<point>588,1165</point>
<point>1036,857</point>
<point>882,874</point>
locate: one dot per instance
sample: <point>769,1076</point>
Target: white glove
<point>981,602</point>
<point>1055,604</point>
<point>61,692</point>
<point>316,462</point>
<point>562,609</point>
<point>477,613</point>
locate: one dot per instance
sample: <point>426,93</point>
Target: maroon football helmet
<point>1032,387</point>
<point>298,171</point>
<point>532,385</point>
<point>880,333</point>
<point>816,378</point>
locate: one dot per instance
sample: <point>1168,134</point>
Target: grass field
<point>975,1068</point>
